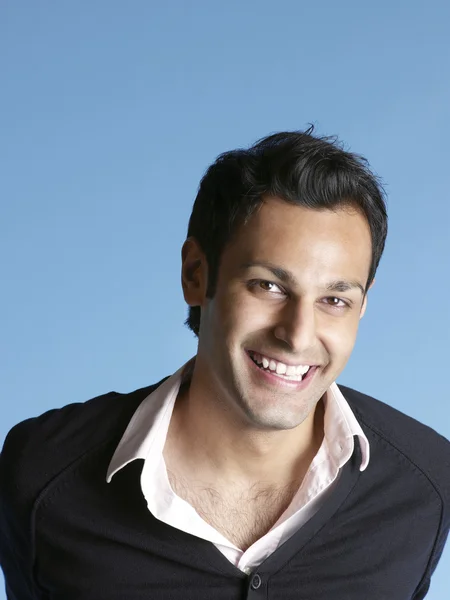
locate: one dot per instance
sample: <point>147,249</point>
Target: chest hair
<point>242,515</point>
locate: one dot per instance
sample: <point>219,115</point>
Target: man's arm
<point>424,586</point>
<point>16,544</point>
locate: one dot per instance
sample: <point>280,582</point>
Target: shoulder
<point>421,445</point>
<point>38,449</point>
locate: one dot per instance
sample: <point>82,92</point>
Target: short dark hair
<point>296,166</point>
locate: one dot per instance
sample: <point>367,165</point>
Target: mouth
<point>276,371</point>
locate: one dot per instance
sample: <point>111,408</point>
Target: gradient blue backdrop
<point>111,111</point>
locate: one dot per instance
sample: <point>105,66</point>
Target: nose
<point>297,326</point>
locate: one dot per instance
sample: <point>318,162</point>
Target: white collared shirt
<point>145,438</point>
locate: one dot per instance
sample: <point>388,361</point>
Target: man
<point>248,473</point>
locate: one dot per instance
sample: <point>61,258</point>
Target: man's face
<point>287,297</point>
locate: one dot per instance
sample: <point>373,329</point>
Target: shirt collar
<point>340,427</point>
<point>149,424</point>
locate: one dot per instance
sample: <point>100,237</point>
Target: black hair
<point>298,167</point>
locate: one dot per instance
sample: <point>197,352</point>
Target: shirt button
<point>256,582</point>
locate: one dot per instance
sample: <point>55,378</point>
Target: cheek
<point>225,318</point>
<point>252,317</point>
<point>240,320</point>
<point>339,338</point>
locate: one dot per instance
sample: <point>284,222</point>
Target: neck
<point>212,442</point>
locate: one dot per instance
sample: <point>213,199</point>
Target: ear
<point>194,273</point>
<point>364,305</point>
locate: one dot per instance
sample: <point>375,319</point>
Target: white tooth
<point>258,358</point>
<point>265,362</point>
<point>273,365</point>
<point>294,377</point>
<point>291,370</point>
<point>281,369</point>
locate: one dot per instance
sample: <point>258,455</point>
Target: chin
<point>277,421</point>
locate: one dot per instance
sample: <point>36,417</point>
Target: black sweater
<point>66,534</point>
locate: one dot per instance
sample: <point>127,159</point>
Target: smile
<point>294,373</point>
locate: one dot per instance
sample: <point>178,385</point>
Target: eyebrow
<point>339,285</point>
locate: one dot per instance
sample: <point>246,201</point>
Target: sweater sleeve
<point>34,453</point>
<point>424,586</point>
<point>16,545</point>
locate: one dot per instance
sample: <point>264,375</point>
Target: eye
<point>266,286</point>
<point>336,302</point>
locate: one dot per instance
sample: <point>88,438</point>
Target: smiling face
<point>289,295</point>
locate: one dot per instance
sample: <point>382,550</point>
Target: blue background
<point>110,113</point>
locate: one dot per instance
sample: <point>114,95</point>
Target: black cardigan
<point>66,534</point>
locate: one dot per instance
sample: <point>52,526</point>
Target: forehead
<point>310,243</point>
